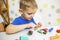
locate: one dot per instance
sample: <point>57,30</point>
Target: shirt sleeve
<point>16,22</point>
<point>33,21</point>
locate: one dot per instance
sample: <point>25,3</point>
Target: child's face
<point>29,13</point>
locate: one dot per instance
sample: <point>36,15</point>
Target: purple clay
<point>51,29</point>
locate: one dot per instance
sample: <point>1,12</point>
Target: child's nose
<point>32,15</point>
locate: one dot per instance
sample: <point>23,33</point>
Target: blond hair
<point>27,3</point>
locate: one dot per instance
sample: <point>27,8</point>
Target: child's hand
<point>38,25</point>
<point>31,25</point>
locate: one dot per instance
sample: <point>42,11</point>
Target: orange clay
<point>54,38</point>
<point>58,31</point>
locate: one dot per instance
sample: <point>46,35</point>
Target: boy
<point>27,10</point>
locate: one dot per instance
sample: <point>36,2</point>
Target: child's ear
<point>20,10</point>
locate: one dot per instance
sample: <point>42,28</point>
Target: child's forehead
<point>31,9</point>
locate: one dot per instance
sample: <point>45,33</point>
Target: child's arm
<point>15,28</point>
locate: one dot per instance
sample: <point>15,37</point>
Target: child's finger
<point>30,27</point>
<point>36,27</point>
<point>39,24</point>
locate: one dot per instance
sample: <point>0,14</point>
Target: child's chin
<point>29,19</point>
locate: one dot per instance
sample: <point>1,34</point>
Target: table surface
<point>34,36</point>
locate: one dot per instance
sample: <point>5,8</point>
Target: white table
<point>34,36</point>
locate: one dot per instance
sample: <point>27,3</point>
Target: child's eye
<point>29,13</point>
